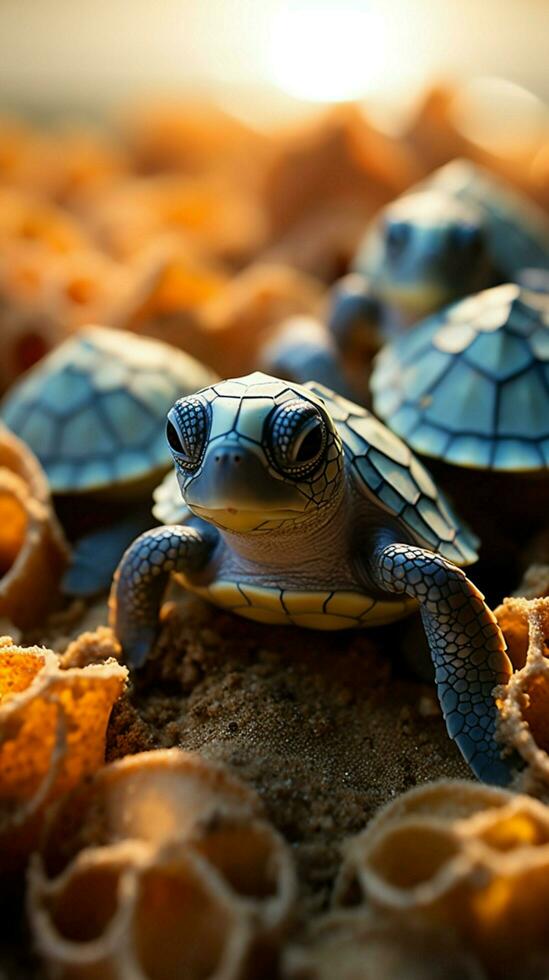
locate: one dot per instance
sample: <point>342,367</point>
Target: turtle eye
<point>308,442</point>
<point>296,438</point>
<point>187,431</point>
<point>397,234</point>
<point>172,436</point>
<point>463,249</point>
<point>466,240</point>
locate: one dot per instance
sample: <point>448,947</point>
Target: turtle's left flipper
<point>467,648</point>
<point>141,578</point>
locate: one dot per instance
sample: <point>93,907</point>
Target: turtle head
<point>424,250</point>
<point>254,454</point>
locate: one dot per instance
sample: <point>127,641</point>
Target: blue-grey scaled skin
<point>306,510</point>
<point>141,578</point>
<point>466,649</point>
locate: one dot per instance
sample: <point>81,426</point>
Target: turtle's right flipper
<point>467,649</point>
<point>141,578</point>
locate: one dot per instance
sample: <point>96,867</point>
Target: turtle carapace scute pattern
<point>302,508</point>
<point>470,385</point>
<point>93,410</point>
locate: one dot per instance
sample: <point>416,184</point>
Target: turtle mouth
<point>246,519</point>
<point>415,297</point>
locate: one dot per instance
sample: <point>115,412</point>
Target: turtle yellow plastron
<point>304,509</point>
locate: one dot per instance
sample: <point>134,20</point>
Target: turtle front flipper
<point>355,318</point>
<point>467,648</point>
<point>141,578</point>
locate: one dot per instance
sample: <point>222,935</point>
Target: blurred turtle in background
<point>460,231</point>
<point>517,228</point>
<point>93,411</point>
<point>422,251</point>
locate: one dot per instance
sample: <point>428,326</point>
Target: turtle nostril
<point>226,457</point>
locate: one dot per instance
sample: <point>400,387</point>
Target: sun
<point>329,51</point>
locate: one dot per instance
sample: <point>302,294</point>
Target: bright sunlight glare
<point>327,51</point>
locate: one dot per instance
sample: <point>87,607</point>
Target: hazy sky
<point>55,52</point>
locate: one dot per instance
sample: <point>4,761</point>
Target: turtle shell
<point>94,410</point>
<point>470,385</point>
<point>517,229</point>
<point>383,467</point>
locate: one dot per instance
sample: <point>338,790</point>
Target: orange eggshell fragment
<point>33,552</point>
<point>52,734</point>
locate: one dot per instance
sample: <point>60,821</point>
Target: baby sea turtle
<point>421,252</point>
<point>304,509</point>
<point>462,230</point>
<point>93,411</point>
<point>470,385</point>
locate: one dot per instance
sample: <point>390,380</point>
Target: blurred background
<point>265,58</point>
<point>200,170</point>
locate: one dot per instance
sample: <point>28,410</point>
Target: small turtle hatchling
<point>469,389</point>
<point>304,509</point>
<point>462,230</point>
<point>422,251</point>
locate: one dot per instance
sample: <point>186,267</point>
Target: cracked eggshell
<point>152,797</point>
<point>257,865</point>
<point>132,911</point>
<point>33,551</point>
<point>358,944</point>
<point>523,703</point>
<point>443,858</point>
<point>52,734</point>
<point>169,804</point>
